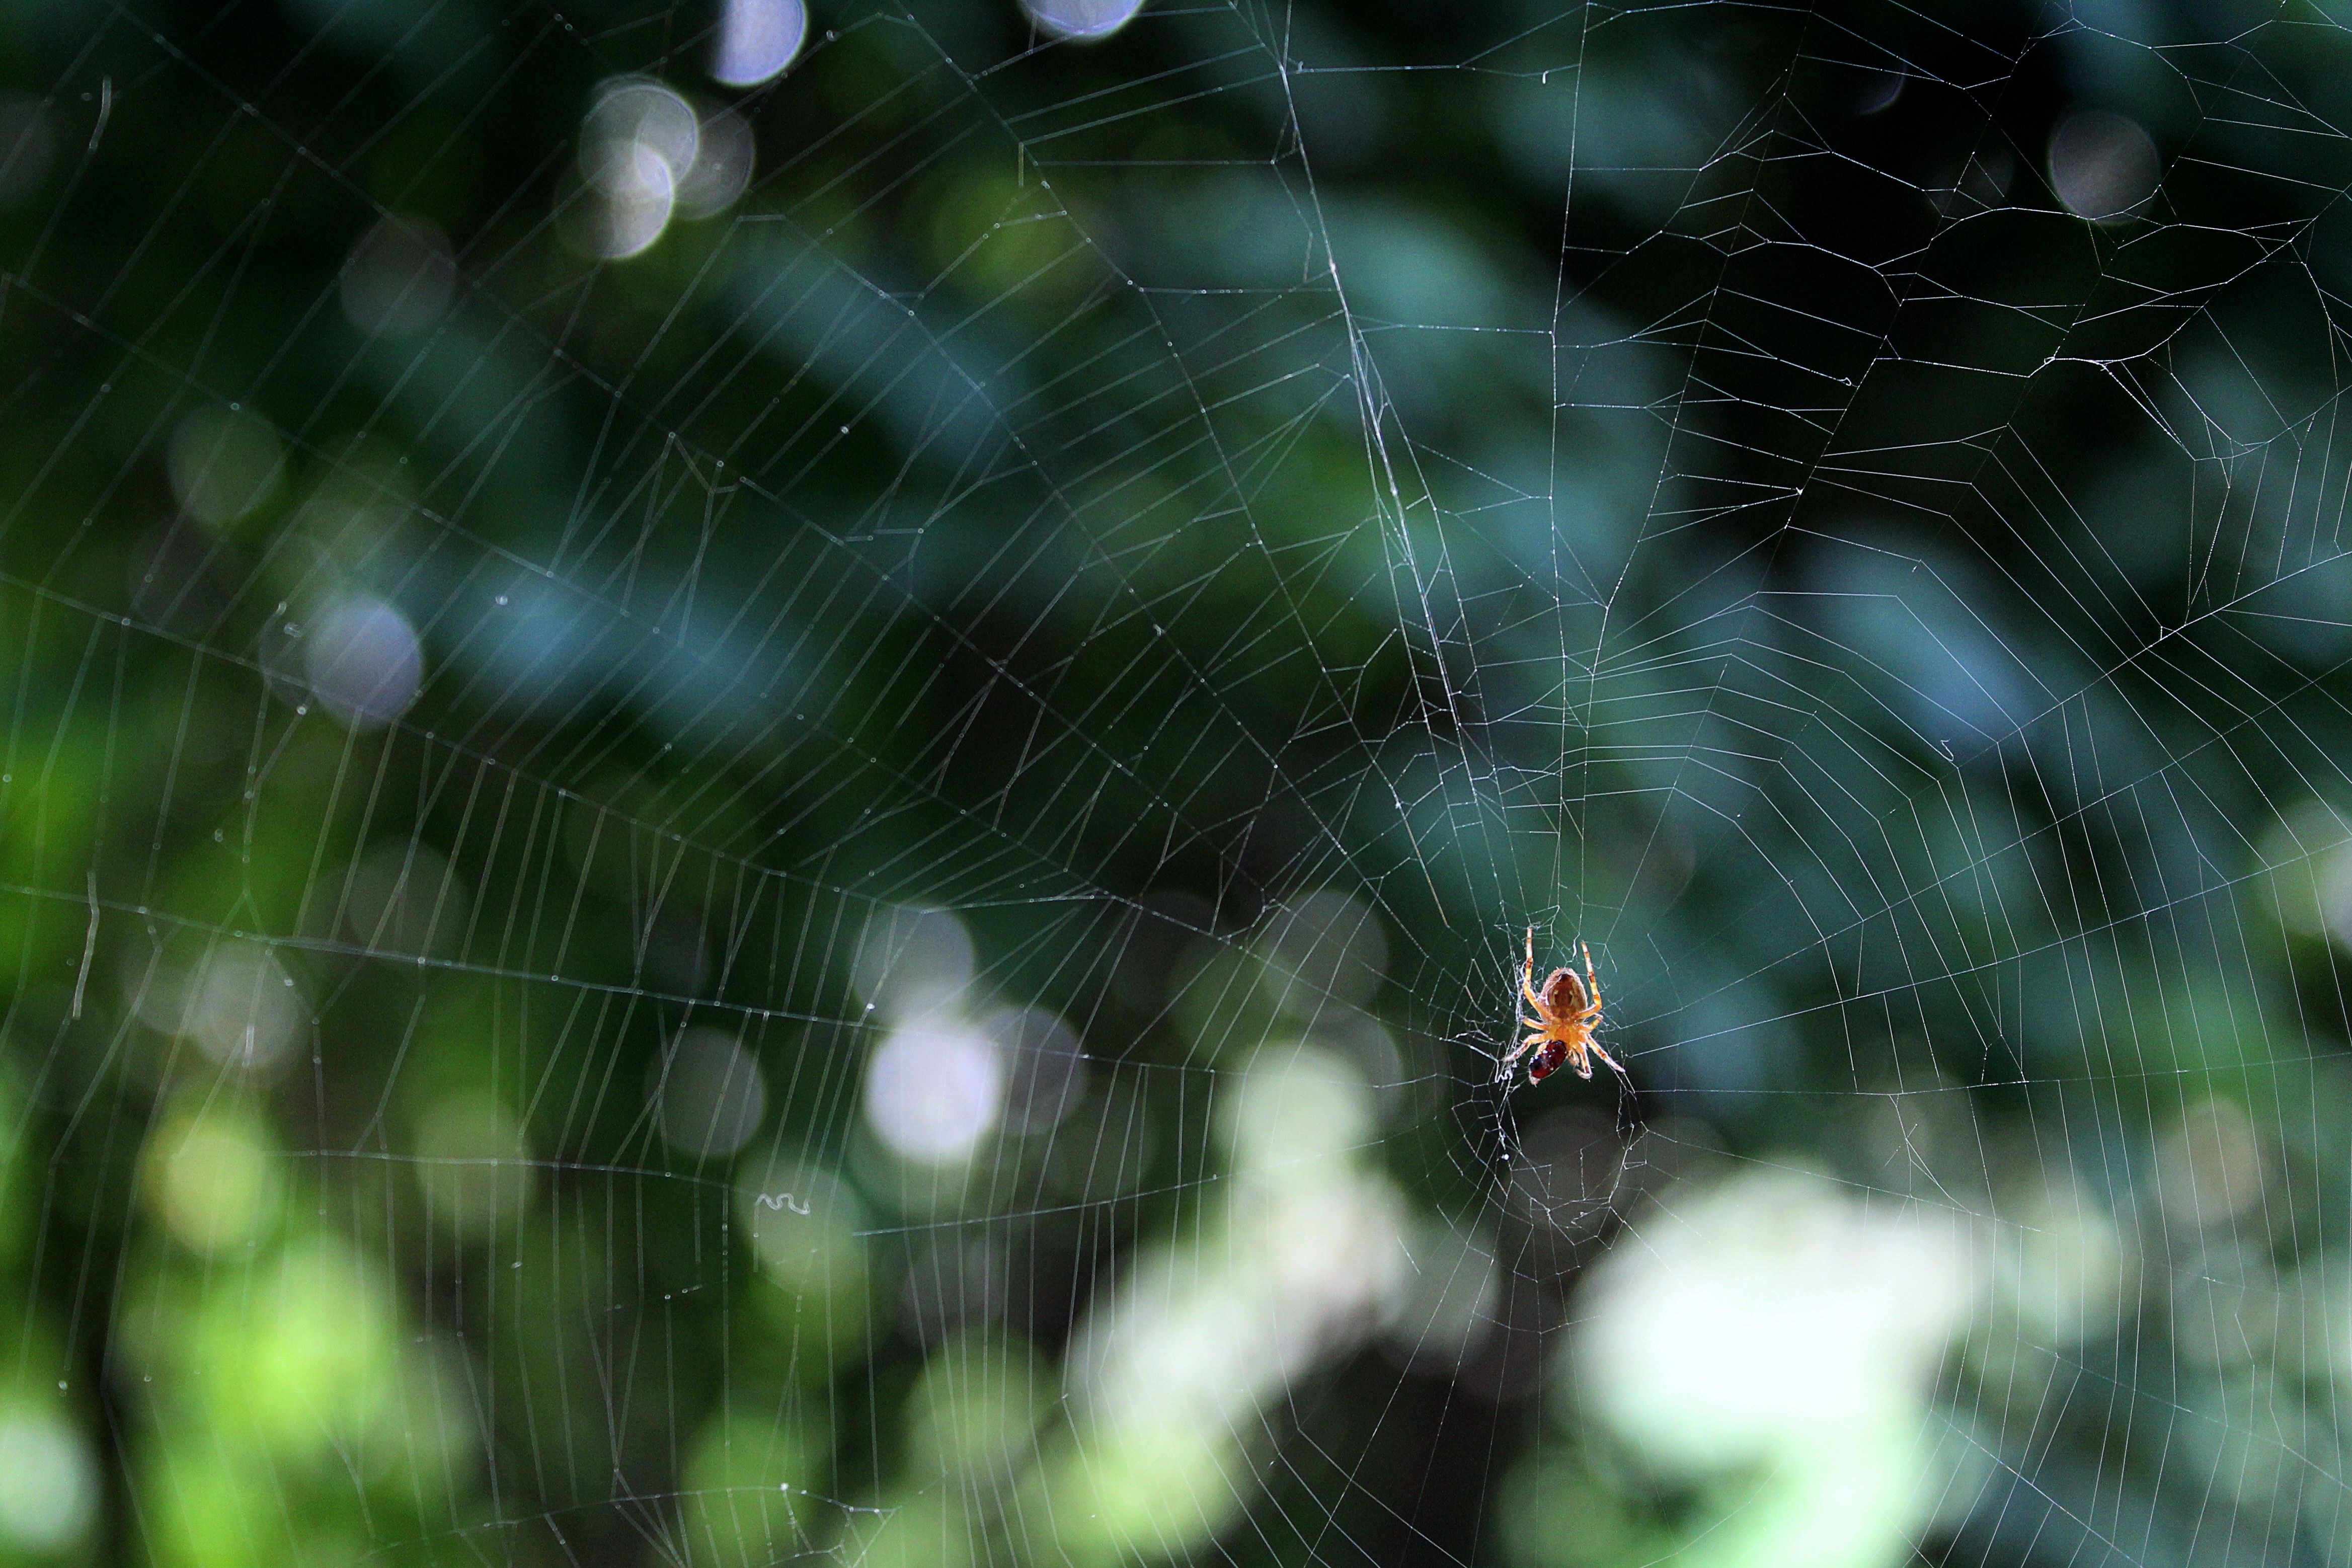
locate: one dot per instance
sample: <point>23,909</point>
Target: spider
<point>1563,1023</point>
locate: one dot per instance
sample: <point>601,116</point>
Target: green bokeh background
<point>1250,515</point>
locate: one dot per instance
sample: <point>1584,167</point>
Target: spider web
<point>772,783</point>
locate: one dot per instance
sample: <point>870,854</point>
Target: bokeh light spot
<point>2102,164</point>
<point>933,1091</point>
<point>403,898</point>
<point>1081,19</point>
<point>28,146</point>
<point>1045,1069</point>
<point>210,1177</point>
<point>474,1164</point>
<point>363,662</point>
<point>242,1008</point>
<point>646,155</point>
<point>913,961</point>
<point>48,1480</point>
<point>710,1092</point>
<point>224,463</point>
<point>399,277</point>
<point>758,39</point>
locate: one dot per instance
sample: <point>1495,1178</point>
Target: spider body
<point>1568,1009</point>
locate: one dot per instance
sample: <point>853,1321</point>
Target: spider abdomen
<point>1548,1060</point>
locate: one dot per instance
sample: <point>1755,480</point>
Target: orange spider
<point>1564,1020</point>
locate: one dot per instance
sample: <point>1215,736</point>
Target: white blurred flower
<point>1306,1261</point>
<point>1744,1323</point>
<point>1309,1257</point>
<point>1779,1326</point>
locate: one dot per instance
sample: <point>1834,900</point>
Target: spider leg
<point>1521,1048</point>
<point>1614,1066</point>
<point>1591,981</point>
<point>1527,975</point>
